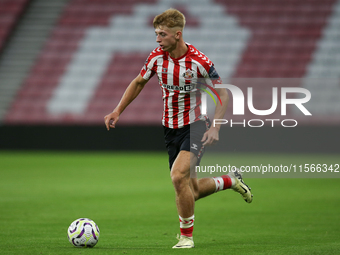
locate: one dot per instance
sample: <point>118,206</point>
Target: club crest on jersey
<point>188,74</point>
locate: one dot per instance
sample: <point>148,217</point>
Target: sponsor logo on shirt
<point>185,88</point>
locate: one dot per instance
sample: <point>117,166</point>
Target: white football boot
<point>184,242</point>
<point>240,186</point>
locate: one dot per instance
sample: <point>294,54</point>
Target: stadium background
<point>65,64</point>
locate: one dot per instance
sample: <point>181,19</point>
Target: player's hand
<point>210,137</point>
<point>111,120</point>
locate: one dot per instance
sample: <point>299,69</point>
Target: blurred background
<point>65,64</point>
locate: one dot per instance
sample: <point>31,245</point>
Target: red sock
<point>187,231</point>
<point>187,225</point>
<point>223,182</point>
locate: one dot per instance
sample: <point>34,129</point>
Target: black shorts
<point>187,138</point>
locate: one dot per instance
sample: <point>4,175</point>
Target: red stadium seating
<point>10,11</point>
<point>56,55</point>
<point>284,35</point>
<point>283,38</point>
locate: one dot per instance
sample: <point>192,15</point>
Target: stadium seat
<point>280,41</point>
<point>10,11</point>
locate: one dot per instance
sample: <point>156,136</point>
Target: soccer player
<point>179,66</point>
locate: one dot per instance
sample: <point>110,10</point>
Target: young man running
<point>179,66</point>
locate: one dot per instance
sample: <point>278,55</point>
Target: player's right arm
<point>132,91</point>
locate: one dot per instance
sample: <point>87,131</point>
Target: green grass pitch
<point>131,198</point>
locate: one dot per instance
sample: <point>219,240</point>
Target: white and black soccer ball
<point>83,232</point>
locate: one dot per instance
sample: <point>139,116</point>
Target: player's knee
<point>179,179</point>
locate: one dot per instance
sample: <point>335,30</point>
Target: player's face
<point>166,38</point>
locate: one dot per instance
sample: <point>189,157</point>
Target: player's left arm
<point>212,135</point>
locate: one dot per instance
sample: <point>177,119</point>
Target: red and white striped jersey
<point>178,79</point>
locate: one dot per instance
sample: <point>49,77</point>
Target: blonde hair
<point>170,18</point>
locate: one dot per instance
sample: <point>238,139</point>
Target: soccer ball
<point>83,232</point>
